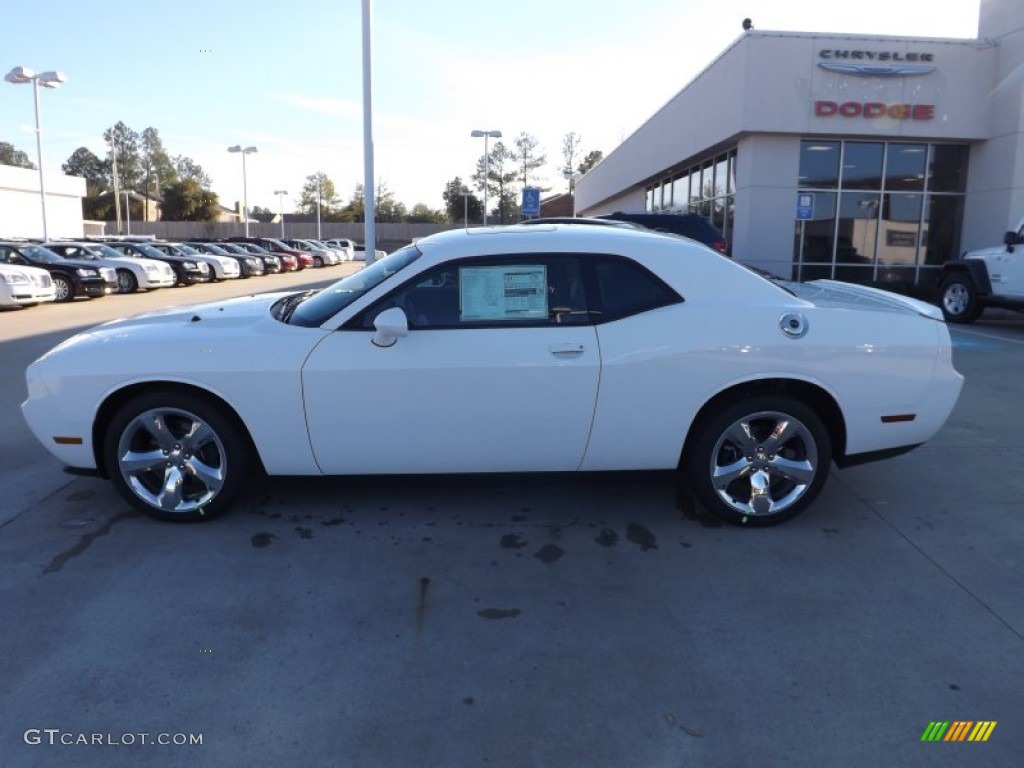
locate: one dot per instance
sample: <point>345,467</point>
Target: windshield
<point>317,309</point>
<point>150,251</point>
<point>40,254</point>
<point>105,251</point>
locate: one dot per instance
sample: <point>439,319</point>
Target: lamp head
<point>20,75</point>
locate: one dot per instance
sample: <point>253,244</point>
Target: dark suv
<point>686,224</point>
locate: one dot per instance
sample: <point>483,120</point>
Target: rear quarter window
<point>626,288</point>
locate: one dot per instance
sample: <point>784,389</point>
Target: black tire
<point>770,481</point>
<point>318,261</point>
<point>126,281</point>
<point>958,299</point>
<point>64,288</point>
<point>221,457</point>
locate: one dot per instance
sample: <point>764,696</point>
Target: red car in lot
<point>278,248</point>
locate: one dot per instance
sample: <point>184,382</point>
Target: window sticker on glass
<point>504,292</point>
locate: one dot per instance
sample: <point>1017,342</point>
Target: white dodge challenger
<point>519,349</point>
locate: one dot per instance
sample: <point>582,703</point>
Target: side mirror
<point>391,325</point>
<point>1010,239</point>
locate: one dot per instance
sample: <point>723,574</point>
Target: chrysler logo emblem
<point>878,70</point>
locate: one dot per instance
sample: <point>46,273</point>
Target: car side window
<point>626,288</point>
<point>481,293</point>
<point>9,256</point>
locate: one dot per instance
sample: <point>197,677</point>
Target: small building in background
<point>21,212</point>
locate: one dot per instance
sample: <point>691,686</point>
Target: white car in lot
<point>132,274</point>
<point>25,286</point>
<point>517,349</point>
<point>343,244</point>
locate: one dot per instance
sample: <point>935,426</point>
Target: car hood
<point>840,295</point>
<point>217,314</point>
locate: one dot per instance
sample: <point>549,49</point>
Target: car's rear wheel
<point>759,461</point>
<point>176,456</point>
<point>958,299</point>
<point>126,281</point>
<point>318,261</point>
<point>63,289</point>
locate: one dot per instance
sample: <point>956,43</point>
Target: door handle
<point>565,349</point>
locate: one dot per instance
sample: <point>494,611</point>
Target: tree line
<point>139,163</point>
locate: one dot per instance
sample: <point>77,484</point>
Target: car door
<point>498,372</point>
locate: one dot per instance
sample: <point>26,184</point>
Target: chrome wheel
<point>758,460</point>
<point>763,463</point>
<point>172,460</point>
<point>62,288</point>
<point>126,282</point>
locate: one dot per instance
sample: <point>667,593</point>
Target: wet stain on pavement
<point>641,536</point>
<point>80,496</point>
<point>334,521</point>
<point>513,541</point>
<point>830,530</point>
<point>607,538</point>
<point>85,541</point>
<point>498,613</point>
<point>304,533</point>
<point>468,701</point>
<point>549,553</point>
<point>262,540</point>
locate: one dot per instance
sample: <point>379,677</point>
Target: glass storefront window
<point>905,166</point>
<point>680,190</point>
<point>901,230</point>
<point>694,188</point>
<point>858,227</point>
<point>732,172</point>
<point>817,238</point>
<point>943,218</point>
<point>650,200</point>
<point>819,164</point>
<point>862,165</point>
<point>707,182</point>
<point>721,176</point>
<point>947,168</point>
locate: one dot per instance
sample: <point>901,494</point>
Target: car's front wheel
<point>959,299</point>
<point>62,288</point>
<point>759,461</point>
<point>176,456</point>
<point>126,281</point>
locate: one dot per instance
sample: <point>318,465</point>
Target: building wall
<point>762,95</point>
<point>21,212</point>
<point>995,188</point>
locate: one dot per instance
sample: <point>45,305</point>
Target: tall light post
<point>476,134</point>
<point>465,205</point>
<point>128,210</point>
<point>245,191</point>
<point>319,194</point>
<point>280,207</point>
<point>21,76</point>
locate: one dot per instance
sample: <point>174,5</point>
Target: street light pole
<point>21,76</point>
<point>319,194</point>
<point>245,191</point>
<point>476,134</point>
<point>280,207</point>
<point>128,210</point>
<point>465,206</point>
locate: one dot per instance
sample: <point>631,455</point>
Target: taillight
<point>720,246</point>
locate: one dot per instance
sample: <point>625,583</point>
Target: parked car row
<point>34,272</point>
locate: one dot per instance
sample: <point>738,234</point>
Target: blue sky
<point>286,76</point>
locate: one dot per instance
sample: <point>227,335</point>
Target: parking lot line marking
<point>986,335</point>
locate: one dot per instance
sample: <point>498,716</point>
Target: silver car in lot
<point>25,286</point>
<point>221,267</point>
<point>132,274</point>
<point>322,257</point>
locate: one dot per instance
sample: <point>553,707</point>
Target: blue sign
<point>804,206</point>
<point>531,201</point>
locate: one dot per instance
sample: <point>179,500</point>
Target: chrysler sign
<point>876,63</point>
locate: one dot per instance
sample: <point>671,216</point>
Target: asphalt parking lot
<point>516,621</point>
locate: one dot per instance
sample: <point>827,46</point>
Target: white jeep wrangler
<point>989,277</point>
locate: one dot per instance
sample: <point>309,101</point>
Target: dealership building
<point>872,159</point>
